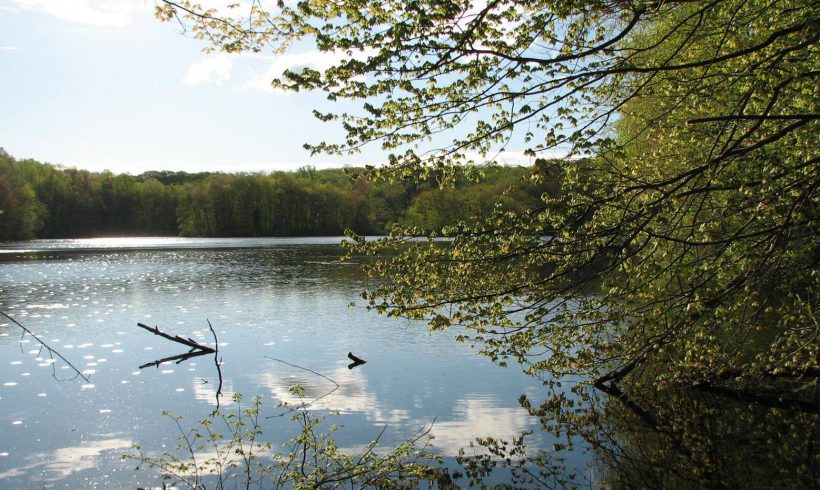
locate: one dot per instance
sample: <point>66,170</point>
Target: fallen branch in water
<point>50,350</point>
<point>193,344</point>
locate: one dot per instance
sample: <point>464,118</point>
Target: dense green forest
<point>39,200</point>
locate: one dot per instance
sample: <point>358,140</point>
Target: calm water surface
<point>284,299</point>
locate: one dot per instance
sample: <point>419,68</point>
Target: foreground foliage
<point>205,458</point>
<point>661,439</point>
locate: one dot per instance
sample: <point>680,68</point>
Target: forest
<point>39,200</point>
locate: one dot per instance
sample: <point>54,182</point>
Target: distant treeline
<point>39,200</point>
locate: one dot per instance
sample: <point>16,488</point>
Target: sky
<point>102,84</point>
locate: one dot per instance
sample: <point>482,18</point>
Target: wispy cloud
<point>296,62</point>
<point>101,13</point>
<point>8,48</point>
<point>213,69</point>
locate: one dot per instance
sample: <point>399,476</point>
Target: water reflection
<point>475,415</point>
<point>207,389</point>
<point>290,302</point>
<point>177,359</point>
<point>352,395</point>
<point>681,438</point>
<point>478,416</point>
<point>59,464</point>
<point>686,438</point>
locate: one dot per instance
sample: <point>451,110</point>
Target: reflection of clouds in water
<point>478,417</point>
<point>206,392</point>
<point>352,396</point>
<point>472,418</point>
<point>61,463</point>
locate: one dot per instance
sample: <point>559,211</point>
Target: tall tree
<point>686,239</point>
<point>19,210</point>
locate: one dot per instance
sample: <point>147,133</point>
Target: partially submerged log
<point>193,344</point>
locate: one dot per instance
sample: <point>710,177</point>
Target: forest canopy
<point>684,245</point>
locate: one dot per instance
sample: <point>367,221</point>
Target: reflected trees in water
<point>671,438</point>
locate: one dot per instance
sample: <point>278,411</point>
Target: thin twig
<point>303,405</point>
<point>48,347</point>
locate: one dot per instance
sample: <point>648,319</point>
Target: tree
<point>682,244</point>
<point>19,209</point>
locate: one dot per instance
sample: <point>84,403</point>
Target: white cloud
<point>213,69</point>
<point>295,62</point>
<point>8,48</point>
<point>316,60</point>
<point>102,13</point>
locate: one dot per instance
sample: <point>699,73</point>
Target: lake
<point>281,310</point>
<point>284,299</point>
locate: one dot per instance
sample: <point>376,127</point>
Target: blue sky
<point>101,84</point>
